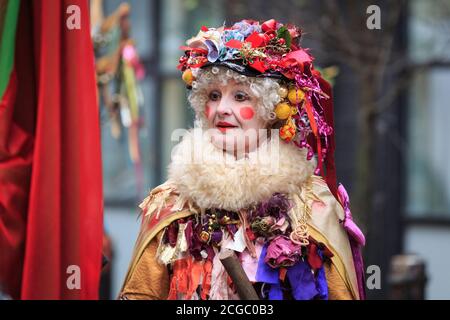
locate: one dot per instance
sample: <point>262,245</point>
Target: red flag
<point>16,152</point>
<point>62,225</point>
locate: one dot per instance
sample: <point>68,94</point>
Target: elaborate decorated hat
<point>271,49</point>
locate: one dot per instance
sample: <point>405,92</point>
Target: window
<point>428,153</point>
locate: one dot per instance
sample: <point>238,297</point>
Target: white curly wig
<point>265,90</point>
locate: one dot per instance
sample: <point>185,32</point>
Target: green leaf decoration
<point>283,32</point>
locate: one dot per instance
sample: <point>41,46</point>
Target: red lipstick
<point>224,126</point>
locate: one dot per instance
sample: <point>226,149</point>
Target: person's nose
<point>224,108</point>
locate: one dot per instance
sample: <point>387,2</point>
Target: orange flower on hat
<point>287,132</point>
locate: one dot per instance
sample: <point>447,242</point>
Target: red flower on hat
<point>269,25</point>
<point>294,59</point>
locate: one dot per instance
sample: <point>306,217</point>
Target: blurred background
<point>391,100</point>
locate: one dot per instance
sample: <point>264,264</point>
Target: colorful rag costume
<point>290,228</point>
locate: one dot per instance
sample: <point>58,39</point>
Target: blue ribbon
<point>302,281</point>
<point>269,275</point>
<point>321,280</point>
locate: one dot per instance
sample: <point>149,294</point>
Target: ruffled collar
<point>213,179</point>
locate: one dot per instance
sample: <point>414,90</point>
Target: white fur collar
<point>214,179</point>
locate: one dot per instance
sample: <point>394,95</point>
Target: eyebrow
<point>245,92</point>
<point>236,87</point>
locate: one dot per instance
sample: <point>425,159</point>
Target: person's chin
<point>234,144</point>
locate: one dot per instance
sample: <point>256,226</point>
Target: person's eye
<point>214,95</point>
<point>241,96</point>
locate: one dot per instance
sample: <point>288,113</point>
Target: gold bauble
<point>295,96</point>
<point>283,92</point>
<point>283,110</point>
<point>188,77</point>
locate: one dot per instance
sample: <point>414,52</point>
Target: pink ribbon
<point>349,225</point>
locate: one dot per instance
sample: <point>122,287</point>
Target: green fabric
<point>7,43</point>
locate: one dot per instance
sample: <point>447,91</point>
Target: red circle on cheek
<point>247,113</point>
<point>207,111</point>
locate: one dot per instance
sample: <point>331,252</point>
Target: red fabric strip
<point>64,226</point>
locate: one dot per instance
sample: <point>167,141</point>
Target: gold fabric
<point>337,289</point>
<point>160,198</point>
<point>150,279</point>
<point>326,227</point>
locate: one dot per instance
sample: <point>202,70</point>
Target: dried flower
<point>282,252</point>
<point>277,206</point>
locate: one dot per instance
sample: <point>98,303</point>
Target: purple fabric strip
<point>321,281</point>
<point>269,275</point>
<point>357,240</point>
<point>302,281</point>
<point>359,268</point>
<point>275,292</point>
<point>265,273</point>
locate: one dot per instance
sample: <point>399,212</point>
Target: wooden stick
<point>234,269</point>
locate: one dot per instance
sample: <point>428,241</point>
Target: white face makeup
<point>231,113</point>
